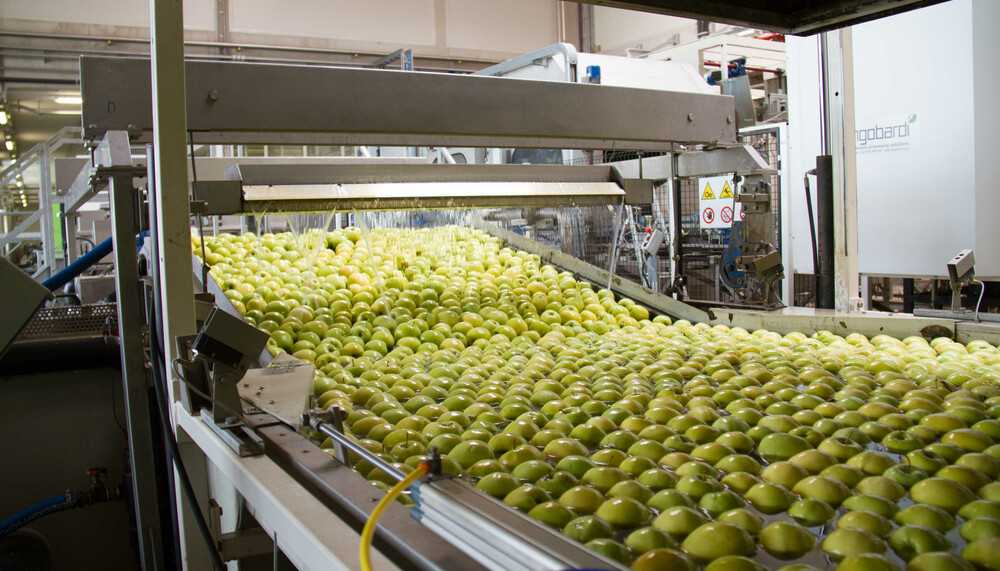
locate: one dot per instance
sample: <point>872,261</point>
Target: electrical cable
<point>812,223</point>
<point>158,366</point>
<point>364,549</point>
<point>982,290</point>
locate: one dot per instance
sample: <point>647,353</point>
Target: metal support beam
<point>124,220</point>
<point>166,97</point>
<point>838,119</point>
<point>311,105</point>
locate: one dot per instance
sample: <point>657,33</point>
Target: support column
<point>837,53</point>
<point>173,218</point>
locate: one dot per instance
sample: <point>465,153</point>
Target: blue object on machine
<point>24,517</point>
<point>78,267</point>
<point>736,68</point>
<point>729,271</point>
<point>594,71</point>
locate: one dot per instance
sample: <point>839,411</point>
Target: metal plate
<point>282,389</point>
<point>361,106</point>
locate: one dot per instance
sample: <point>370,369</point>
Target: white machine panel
<point>926,120</point>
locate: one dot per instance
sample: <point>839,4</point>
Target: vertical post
<point>837,65</point>
<point>677,252</point>
<point>825,233</point>
<point>124,226</point>
<point>45,204</point>
<point>173,217</point>
<point>908,298</point>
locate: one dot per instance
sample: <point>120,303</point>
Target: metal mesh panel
<point>701,249</point>
<point>72,321</point>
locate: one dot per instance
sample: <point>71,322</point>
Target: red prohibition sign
<point>708,215</point>
<point>743,215</point>
<point>726,214</point>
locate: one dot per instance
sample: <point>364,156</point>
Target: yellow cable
<point>369,531</point>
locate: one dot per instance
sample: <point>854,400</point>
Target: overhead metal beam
<point>241,102</point>
<point>785,16</point>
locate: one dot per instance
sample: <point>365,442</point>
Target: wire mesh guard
<point>72,321</point>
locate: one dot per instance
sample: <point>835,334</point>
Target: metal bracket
<point>238,544</point>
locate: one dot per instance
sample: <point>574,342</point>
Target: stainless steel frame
<point>238,102</point>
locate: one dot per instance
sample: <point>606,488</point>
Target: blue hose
<point>24,517</point>
<point>79,266</point>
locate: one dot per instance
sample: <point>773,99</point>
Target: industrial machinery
<point>243,414</point>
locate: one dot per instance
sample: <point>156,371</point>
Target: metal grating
<point>72,321</point>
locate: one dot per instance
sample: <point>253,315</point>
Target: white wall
<point>804,140</point>
<point>616,30</point>
<point>479,30</point>
<point>198,14</point>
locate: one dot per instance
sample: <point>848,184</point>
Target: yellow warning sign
<point>727,192</point>
<point>708,194</point>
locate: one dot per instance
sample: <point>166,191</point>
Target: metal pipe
<point>678,253</point>
<point>52,355</point>
<point>79,266</point>
<point>746,67</point>
<point>231,45</point>
<point>364,453</point>
<point>825,243</point>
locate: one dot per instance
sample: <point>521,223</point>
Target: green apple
<point>679,521</point>
<point>717,539</point>
<point>532,470</point>
<point>872,462</point>
<point>969,477</point>
<point>979,527</point>
<point>980,508</point>
<point>842,543</point>
<point>697,485</point>
<point>646,539</point>
<point>831,491</point>
<point>636,465</point>
<point>841,448</point>
<point>938,561</point>
<point>781,446</point>
<point>984,463</point>
<point>716,503</point>
<point>582,499</point>
<point>526,497</point>
<point>603,477</point>
<point>814,461</point>
<point>552,514</point>
<point>660,559</point>
<point>786,540</point>
<point>990,492</point>
<point>769,498</point>
<point>557,483</point>
<point>740,482</point>
<point>905,475</point>
<point>929,516</point>
<point>811,512</point>
<point>868,562</point>
<point>871,521</point>
<point>630,489</point>
<point>656,479</point>
<point>984,553</point>
<point>623,512</point>
<point>909,541</point>
<point>484,468</point>
<point>926,460</point>
<point>734,563</point>
<point>881,486</point>
<point>587,528</point>
<point>881,506</point>
<point>670,498</point>
<point>900,442</point>
<point>611,549</point>
<point>943,493</point>
<point>469,452</point>
<point>849,475</point>
<point>576,465</point>
<point>498,484</point>
<point>746,519</point>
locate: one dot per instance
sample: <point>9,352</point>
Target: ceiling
<point>799,17</point>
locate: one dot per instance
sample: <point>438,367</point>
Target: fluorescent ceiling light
<point>61,112</point>
<point>9,144</point>
<point>3,117</point>
<point>68,100</point>
<point>20,184</point>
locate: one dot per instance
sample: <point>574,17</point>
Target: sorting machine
<point>234,409</point>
